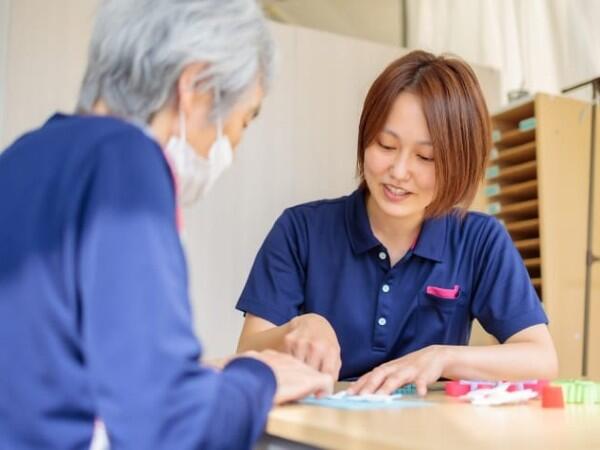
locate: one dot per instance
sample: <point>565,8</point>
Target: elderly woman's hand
<point>295,380</point>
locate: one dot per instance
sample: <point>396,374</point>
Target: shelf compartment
<point>528,244</point>
<point>532,263</point>
<point>524,228</point>
<point>513,137</point>
<point>520,172</point>
<point>515,112</point>
<point>513,155</point>
<point>526,209</point>
<point>519,191</point>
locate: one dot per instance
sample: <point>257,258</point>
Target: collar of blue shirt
<point>430,244</point>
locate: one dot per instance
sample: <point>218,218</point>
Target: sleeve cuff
<point>505,328</point>
<point>267,312</point>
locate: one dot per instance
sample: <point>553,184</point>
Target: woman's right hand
<point>295,380</point>
<point>311,339</point>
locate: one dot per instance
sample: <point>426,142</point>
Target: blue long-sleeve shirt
<point>94,312</point>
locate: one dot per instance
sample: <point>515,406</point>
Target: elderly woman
<point>94,311</point>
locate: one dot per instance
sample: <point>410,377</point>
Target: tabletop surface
<point>447,423</point>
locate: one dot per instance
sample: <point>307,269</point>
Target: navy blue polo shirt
<point>95,320</point>
<point>322,257</point>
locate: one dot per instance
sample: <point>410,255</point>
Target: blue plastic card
<point>342,403</point>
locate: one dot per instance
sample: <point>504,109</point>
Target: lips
<point>395,193</point>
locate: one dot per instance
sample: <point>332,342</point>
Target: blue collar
<point>430,244</point>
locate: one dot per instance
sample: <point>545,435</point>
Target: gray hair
<point>140,47</point>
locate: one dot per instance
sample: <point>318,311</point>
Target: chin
<point>397,211</point>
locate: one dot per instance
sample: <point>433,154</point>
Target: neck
<point>396,234</point>
<point>160,124</point>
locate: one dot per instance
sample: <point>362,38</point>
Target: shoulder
<point>319,217</point>
<point>477,231</point>
<point>475,223</point>
<point>326,209</point>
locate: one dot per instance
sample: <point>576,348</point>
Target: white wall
<point>379,21</point>
<point>47,47</point>
<point>301,148</point>
<point>4,21</point>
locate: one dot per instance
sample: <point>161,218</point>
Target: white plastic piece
<point>365,397</point>
<point>498,396</point>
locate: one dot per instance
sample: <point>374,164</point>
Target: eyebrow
<point>393,133</point>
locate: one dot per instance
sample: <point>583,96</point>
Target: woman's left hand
<point>422,367</point>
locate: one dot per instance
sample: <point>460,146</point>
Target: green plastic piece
<point>492,189</point>
<point>527,124</point>
<point>494,154</point>
<point>492,172</point>
<point>407,389</point>
<point>496,135</point>
<point>579,392</point>
<point>494,208</point>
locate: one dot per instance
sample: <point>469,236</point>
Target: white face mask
<point>195,174</point>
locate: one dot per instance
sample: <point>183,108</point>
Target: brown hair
<point>456,115</point>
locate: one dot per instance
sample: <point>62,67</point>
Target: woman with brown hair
<point>384,284</point>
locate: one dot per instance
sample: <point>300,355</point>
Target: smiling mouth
<point>396,192</point>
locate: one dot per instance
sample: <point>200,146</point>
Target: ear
<point>188,97</point>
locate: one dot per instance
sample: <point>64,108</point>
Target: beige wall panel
<point>563,160</point>
<point>594,321</point>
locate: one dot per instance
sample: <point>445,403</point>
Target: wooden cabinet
<point>537,185</point>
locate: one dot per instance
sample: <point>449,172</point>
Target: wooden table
<point>447,424</point>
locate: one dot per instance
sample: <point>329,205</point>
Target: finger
<point>300,350</point>
<point>315,383</point>
<point>374,380</point>
<point>315,355</point>
<point>358,384</point>
<point>393,382</point>
<point>331,364</point>
<point>326,387</point>
<point>421,384</point>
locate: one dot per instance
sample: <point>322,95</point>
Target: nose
<point>400,168</point>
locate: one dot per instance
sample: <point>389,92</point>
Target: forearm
<point>509,361</point>
<point>271,339</point>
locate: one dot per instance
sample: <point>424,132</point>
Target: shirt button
<point>382,321</point>
<point>385,288</point>
<point>382,255</point>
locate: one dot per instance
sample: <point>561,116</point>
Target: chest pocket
<point>441,316</point>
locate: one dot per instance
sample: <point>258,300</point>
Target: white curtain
<point>539,45</point>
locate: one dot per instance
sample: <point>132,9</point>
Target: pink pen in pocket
<point>448,294</point>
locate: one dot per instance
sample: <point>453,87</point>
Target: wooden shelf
<point>541,154</point>
<point>524,228</point>
<point>532,263</point>
<point>515,137</point>
<point>516,173</point>
<point>514,155</point>
<point>525,210</point>
<point>519,191</point>
<point>528,244</point>
<point>515,111</point>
